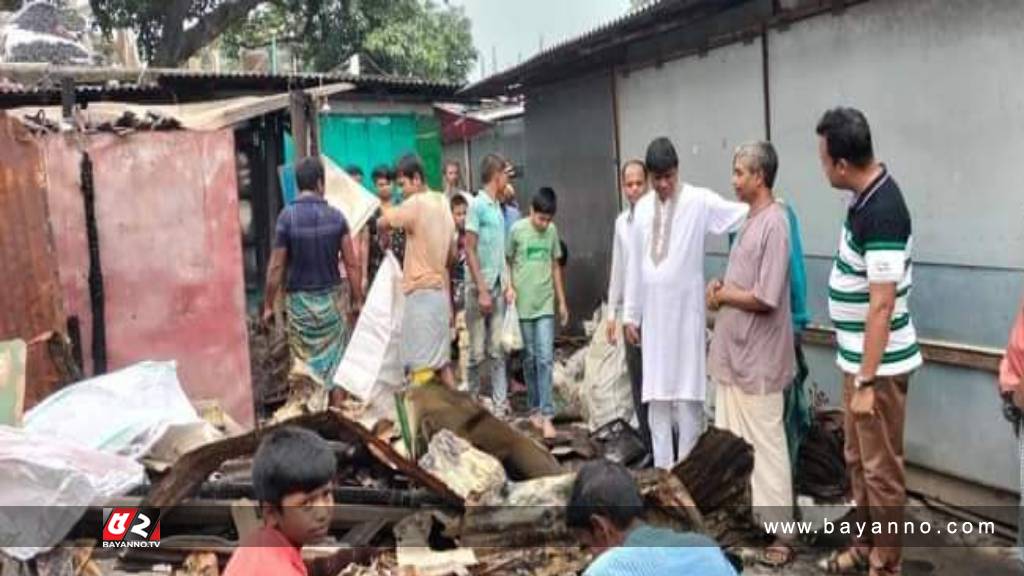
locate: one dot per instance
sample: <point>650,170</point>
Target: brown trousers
<point>874,461</point>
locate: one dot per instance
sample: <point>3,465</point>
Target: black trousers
<point>635,366</point>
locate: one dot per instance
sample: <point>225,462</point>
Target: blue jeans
<point>538,362</point>
<point>485,344</point>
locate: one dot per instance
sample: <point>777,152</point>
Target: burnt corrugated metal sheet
<point>30,297</point>
<point>40,84</point>
<point>170,240</point>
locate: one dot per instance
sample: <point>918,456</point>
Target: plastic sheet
<point>123,412</point>
<point>47,484</point>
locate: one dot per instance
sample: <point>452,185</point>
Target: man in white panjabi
<point>665,307</point>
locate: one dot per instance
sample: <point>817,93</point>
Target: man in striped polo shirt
<point>869,291</point>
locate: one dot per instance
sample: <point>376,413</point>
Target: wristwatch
<point>862,382</point>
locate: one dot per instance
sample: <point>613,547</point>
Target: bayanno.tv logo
<point>131,528</point>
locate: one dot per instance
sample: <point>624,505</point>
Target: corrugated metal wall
<point>31,302</point>
<point>169,235</point>
<point>939,82</point>
<point>570,146</point>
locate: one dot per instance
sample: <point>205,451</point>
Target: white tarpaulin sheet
<point>123,412</point>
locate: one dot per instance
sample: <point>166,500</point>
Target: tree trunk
<point>177,45</point>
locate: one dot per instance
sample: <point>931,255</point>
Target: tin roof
<point>39,84</point>
<point>600,45</point>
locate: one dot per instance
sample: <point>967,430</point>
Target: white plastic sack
<point>372,364</point>
<point>47,484</point>
<point>123,412</point>
<point>511,333</point>
<point>606,390</point>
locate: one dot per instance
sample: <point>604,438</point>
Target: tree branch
<point>180,45</point>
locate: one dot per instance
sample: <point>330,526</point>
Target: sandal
<point>776,556</point>
<point>848,561</point>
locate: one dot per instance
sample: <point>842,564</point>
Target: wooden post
<point>313,117</point>
<point>300,132</point>
<point>67,96</point>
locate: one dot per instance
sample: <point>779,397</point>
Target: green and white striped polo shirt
<point>875,247</point>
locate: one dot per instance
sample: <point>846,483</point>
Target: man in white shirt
<point>634,186</point>
<point>665,297</point>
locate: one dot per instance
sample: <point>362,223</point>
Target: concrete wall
<point>570,146</point>
<point>705,105</point>
<point>938,81</point>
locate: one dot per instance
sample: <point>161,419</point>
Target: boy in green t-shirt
<point>533,253</point>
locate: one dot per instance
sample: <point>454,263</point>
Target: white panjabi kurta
<point>667,299</point>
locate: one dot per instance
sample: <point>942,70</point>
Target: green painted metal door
<point>369,141</point>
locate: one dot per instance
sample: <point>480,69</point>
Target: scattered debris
<point>200,564</point>
<point>470,473</point>
<point>717,475</point>
<point>12,381</point>
<point>433,407</point>
<point>413,535</point>
<point>622,444</point>
<point>192,469</point>
<point>821,472</point>
<point>530,513</point>
<point>668,501</point>
<point>46,32</point>
<point>178,440</point>
<point>567,379</point>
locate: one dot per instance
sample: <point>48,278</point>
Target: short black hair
<point>354,170</point>
<point>633,162</point>
<point>291,459</point>
<point>382,172</point>
<point>661,156</point>
<point>604,488</point>
<point>309,172</point>
<point>545,201</point>
<point>847,136</point>
<point>410,166</point>
<point>490,166</point>
<point>458,200</point>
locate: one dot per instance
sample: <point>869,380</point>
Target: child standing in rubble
<point>460,206</point>
<point>292,476</point>
<point>533,253</point>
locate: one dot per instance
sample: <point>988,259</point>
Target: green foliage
<point>149,18</point>
<point>405,37</point>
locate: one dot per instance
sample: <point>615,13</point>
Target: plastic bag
<point>123,412</point>
<point>511,334</point>
<point>371,365</point>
